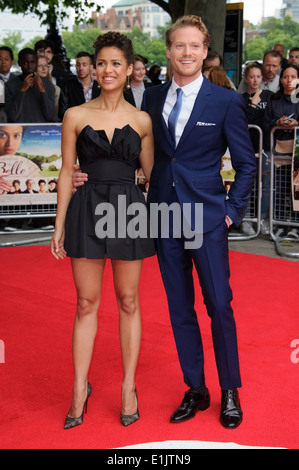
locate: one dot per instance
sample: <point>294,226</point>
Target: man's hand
<point>27,83</point>
<point>5,185</point>
<point>228,221</point>
<point>78,178</point>
<point>37,80</point>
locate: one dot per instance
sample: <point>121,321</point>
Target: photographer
<point>29,97</point>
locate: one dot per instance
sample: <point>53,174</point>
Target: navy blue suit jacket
<point>218,120</point>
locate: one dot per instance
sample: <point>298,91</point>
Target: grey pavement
<point>265,246</point>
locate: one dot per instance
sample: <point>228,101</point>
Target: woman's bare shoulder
<point>75,116</point>
<point>142,117</point>
<point>75,111</point>
<point>145,122</point>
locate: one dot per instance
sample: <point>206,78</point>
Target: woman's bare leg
<point>88,275</point>
<point>126,282</point>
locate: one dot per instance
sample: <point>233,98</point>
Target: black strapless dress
<point>103,218</point>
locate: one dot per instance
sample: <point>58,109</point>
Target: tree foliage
<point>13,41</point>
<point>284,31</point>
<point>82,40</point>
<point>152,48</point>
<point>78,40</point>
<point>49,11</point>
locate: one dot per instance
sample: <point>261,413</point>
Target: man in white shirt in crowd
<point>271,66</point>
<point>82,88</point>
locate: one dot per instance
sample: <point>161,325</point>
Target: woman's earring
<point>128,86</point>
<point>99,86</point>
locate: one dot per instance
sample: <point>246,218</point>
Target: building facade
<point>291,8</point>
<point>126,14</point>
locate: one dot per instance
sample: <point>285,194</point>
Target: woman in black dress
<point>110,138</point>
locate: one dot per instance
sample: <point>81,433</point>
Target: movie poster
<point>295,173</point>
<point>31,154</point>
<point>227,172</point>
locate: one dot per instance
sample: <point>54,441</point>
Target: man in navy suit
<point>187,171</point>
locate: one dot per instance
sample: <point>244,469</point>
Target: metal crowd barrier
<point>253,212</point>
<point>282,214</point>
<point>27,212</point>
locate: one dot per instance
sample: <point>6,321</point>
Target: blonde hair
<point>218,77</point>
<point>188,20</point>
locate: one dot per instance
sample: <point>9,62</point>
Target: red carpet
<point>37,308</point>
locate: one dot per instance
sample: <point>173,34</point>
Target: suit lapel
<point>160,105</point>
<point>200,104</point>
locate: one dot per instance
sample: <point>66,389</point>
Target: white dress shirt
<point>190,92</point>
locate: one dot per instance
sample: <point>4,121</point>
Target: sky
<point>252,8</point>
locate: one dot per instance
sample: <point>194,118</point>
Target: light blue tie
<point>173,116</point>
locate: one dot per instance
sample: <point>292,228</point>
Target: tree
<point>13,40</point>
<point>79,40</point>
<point>255,48</point>
<point>49,11</point>
<point>213,13</point>
<point>152,48</point>
<point>273,31</point>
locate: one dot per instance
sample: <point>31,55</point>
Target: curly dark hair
<point>114,39</point>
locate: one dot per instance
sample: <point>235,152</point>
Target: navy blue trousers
<point>212,266</point>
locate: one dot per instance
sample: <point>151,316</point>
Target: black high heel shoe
<point>126,420</point>
<point>73,422</point>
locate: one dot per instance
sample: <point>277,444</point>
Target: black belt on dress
<point>109,172</point>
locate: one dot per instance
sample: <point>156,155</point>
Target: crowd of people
<point>45,90</point>
<point>267,89</point>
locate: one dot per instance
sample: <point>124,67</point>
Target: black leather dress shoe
<point>231,414</point>
<point>193,401</point>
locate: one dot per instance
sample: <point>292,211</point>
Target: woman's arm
<point>147,153</point>
<point>64,186</point>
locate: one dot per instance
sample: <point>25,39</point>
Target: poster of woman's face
<point>10,139</point>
